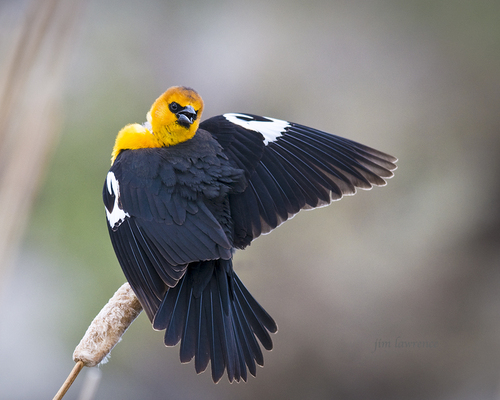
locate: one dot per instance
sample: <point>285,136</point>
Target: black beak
<point>186,116</point>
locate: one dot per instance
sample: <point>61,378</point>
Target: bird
<point>182,195</point>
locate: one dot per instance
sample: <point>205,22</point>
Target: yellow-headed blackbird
<point>182,195</point>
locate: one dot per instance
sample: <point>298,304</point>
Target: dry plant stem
<point>32,79</point>
<point>107,328</point>
<point>69,380</point>
<point>104,333</point>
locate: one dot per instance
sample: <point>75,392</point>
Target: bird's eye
<point>174,107</point>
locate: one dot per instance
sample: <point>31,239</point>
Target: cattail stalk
<point>104,333</point>
<point>108,326</point>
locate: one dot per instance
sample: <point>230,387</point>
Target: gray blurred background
<point>417,260</point>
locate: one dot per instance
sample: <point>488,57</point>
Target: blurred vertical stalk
<point>31,85</point>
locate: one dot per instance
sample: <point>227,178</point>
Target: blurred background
<point>417,260</point>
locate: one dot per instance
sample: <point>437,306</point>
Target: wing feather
<point>159,222</point>
<point>291,167</point>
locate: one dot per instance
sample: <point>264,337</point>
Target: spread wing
<point>159,220</point>
<point>290,167</point>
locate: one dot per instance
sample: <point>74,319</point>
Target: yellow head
<point>174,118</point>
<point>175,115</point>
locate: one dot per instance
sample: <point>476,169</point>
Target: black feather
<point>184,209</point>
<point>216,320</point>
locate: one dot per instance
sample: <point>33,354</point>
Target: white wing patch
<point>271,129</point>
<point>117,214</point>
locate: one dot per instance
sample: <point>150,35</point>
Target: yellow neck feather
<point>133,136</point>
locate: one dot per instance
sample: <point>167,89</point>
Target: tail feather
<point>202,353</point>
<point>175,327</point>
<point>188,341</point>
<point>216,320</point>
<point>248,344</point>
<point>255,316</point>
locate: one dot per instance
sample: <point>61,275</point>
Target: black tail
<point>216,319</point>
